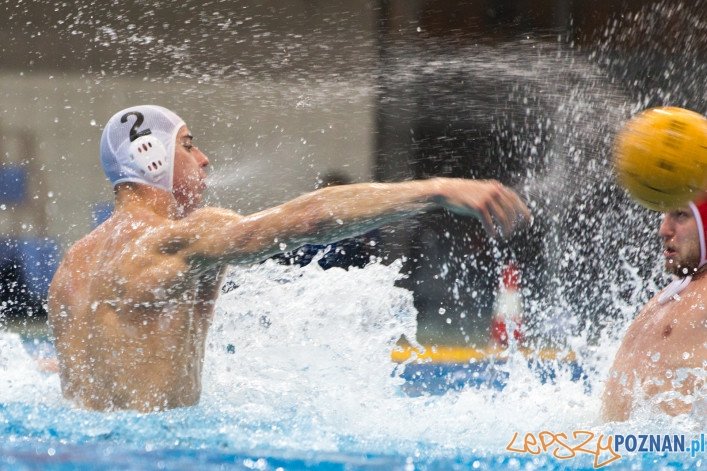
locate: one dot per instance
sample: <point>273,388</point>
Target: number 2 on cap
<point>139,118</point>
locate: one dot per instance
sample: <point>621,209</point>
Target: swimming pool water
<point>194,438</point>
<point>298,375</point>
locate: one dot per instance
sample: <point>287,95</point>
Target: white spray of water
<point>299,359</point>
<point>311,367</point>
<point>20,379</point>
<point>312,354</point>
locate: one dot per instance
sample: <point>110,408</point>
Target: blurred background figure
<point>29,252</point>
<point>507,319</point>
<point>353,252</point>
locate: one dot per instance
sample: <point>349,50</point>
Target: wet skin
<point>665,341</point>
<point>132,302</point>
<point>130,317</point>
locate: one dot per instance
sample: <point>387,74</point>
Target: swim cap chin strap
<point>699,211</point>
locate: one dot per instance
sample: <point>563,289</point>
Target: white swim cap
<point>138,145</point>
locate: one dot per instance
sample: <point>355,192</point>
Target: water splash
<point>299,359</point>
<point>310,367</point>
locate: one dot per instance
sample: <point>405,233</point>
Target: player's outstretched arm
<point>212,235</point>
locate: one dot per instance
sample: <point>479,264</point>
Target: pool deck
<point>457,354</point>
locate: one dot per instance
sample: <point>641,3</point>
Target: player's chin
<point>672,266</point>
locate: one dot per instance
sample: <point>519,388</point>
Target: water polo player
<point>132,302</point>
<point>662,357</point>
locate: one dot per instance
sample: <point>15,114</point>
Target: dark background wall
<point>521,91</point>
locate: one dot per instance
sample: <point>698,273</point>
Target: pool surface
<point>299,375</point>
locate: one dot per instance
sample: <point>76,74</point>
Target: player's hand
<point>495,205</point>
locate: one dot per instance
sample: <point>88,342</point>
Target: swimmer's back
<point>109,325</point>
<point>86,276</point>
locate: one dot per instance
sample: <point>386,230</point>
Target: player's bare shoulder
<point>72,282</point>
<point>76,260</point>
<point>210,215</point>
<point>693,315</point>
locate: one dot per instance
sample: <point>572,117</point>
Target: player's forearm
<point>338,212</point>
<point>319,217</point>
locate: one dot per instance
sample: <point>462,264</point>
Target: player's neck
<point>700,272</point>
<point>137,196</point>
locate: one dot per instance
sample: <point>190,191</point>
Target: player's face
<point>681,243</point>
<point>189,181</point>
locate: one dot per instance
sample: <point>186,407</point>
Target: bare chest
<point>657,338</point>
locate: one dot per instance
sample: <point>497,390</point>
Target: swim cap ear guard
<point>150,157</point>
<point>138,145</point>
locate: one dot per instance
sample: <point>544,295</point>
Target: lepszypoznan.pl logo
<point>605,449</point>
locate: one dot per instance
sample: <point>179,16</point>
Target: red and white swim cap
<point>699,211</point>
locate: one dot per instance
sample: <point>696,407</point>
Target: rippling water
<point>298,368</point>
